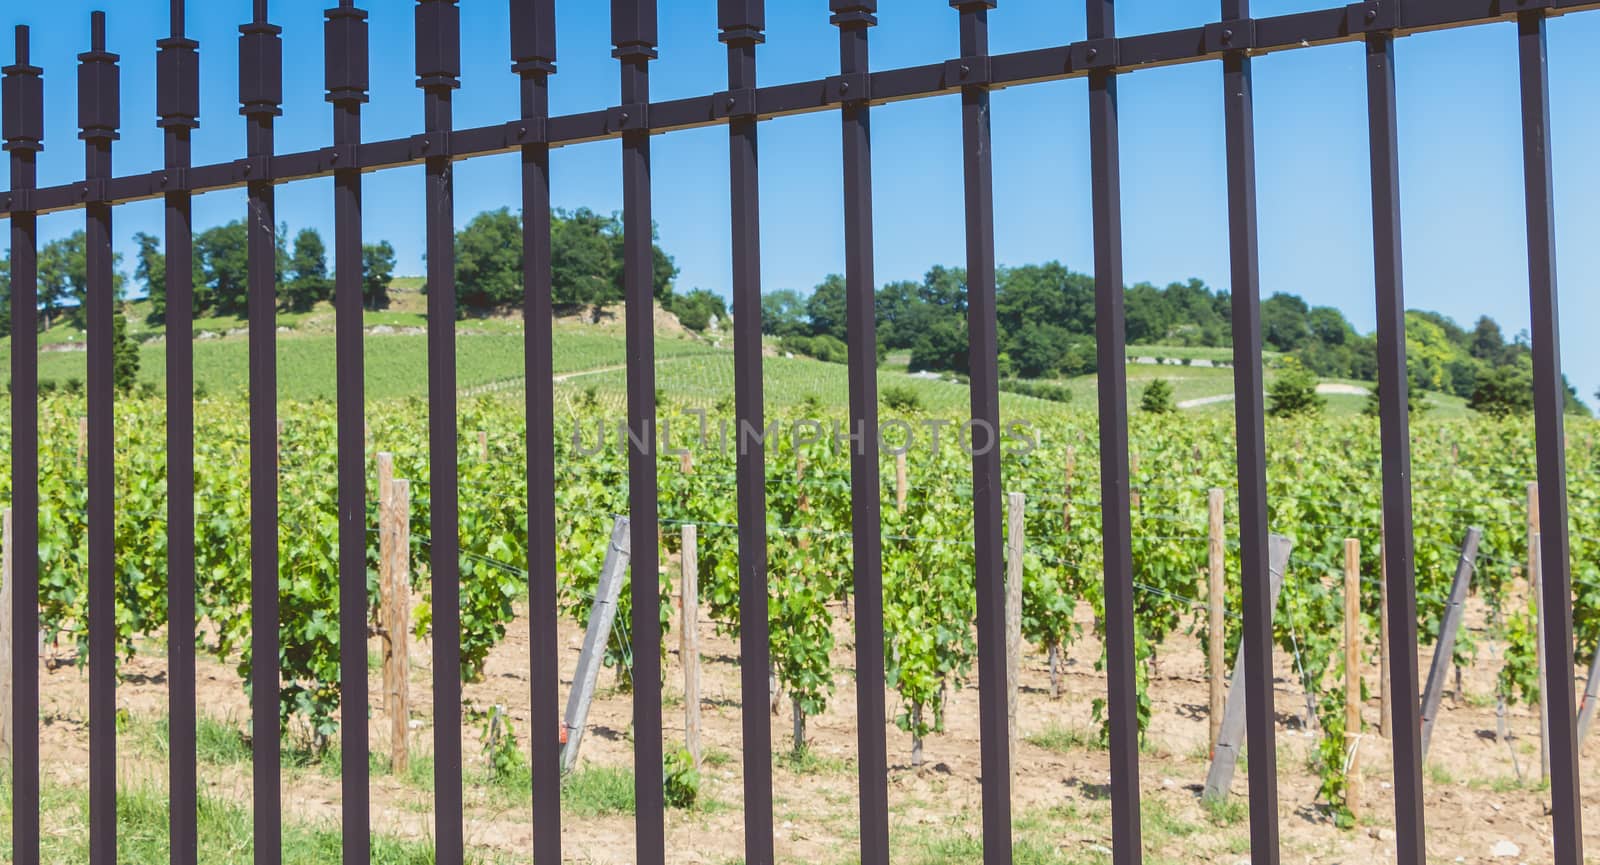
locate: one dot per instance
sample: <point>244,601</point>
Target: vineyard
<point>1323,489</point>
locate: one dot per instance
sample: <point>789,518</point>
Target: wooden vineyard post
<point>1352,676</point>
<point>1135,500</point>
<point>689,647</point>
<point>1536,589</point>
<point>686,463</point>
<point>394,590</point>
<point>7,677</point>
<point>1231,740</point>
<point>483,446</point>
<point>83,439</point>
<point>1445,648</point>
<point>1015,528</point>
<point>1385,692</point>
<point>900,482</point>
<point>1066,489</point>
<point>1216,624</point>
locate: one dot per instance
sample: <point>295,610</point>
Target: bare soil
<point>1474,799</point>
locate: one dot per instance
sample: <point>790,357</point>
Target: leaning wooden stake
<point>1591,693</point>
<point>1444,650</point>
<point>689,646</point>
<point>1015,509</point>
<point>7,677</point>
<point>601,616</point>
<point>394,590</point>
<point>1216,624</point>
<point>1352,676</point>
<point>1231,739</point>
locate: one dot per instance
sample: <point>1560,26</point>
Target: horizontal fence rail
<point>973,74</point>
<point>1077,60</point>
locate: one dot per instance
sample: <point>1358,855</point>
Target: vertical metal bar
<point>260,93</point>
<point>23,132</point>
<point>438,34</point>
<point>533,52</point>
<point>345,44</point>
<point>633,32</point>
<point>1395,434</point>
<point>1116,497</point>
<point>178,105</point>
<point>98,120</point>
<point>1549,402</point>
<point>978,174</point>
<point>1250,422</point>
<point>742,23</point>
<point>854,18</point>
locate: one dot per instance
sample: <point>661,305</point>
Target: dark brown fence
<point>1102,58</point>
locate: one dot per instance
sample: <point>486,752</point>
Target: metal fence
<point>1102,59</point>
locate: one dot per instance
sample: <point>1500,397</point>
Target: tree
<point>1284,322</point>
<point>1147,317</point>
<point>584,267</point>
<point>895,308</point>
<point>489,260</point>
<point>308,280</point>
<point>586,257</point>
<point>783,313</point>
<point>826,308</point>
<point>151,272</point>
<point>941,345</point>
<point>222,255</point>
<point>1037,349</point>
<point>697,308</point>
<point>1328,326</point>
<point>377,271</point>
<point>1294,391</point>
<point>1504,390</point>
<point>1488,341</point>
<point>1416,397</point>
<point>125,354</point>
<point>1157,398</point>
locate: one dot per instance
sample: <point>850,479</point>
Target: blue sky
<point>1460,144</point>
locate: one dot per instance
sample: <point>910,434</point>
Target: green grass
<point>1063,739</point>
<point>396,364</point>
<point>1226,811</point>
<point>1194,352</point>
<point>1068,834</point>
<point>219,743</point>
<point>597,791</point>
<point>806,761</point>
<point>224,832</point>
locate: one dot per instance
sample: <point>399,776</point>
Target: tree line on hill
<point>1045,315</point>
<point>1045,312</point>
<point>586,265</point>
<point>221,271</point>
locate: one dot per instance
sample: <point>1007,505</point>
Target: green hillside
<point>692,371</point>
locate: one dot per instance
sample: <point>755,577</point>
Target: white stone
<point>1504,849</point>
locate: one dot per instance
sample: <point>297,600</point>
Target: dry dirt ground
<point>1476,806</point>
